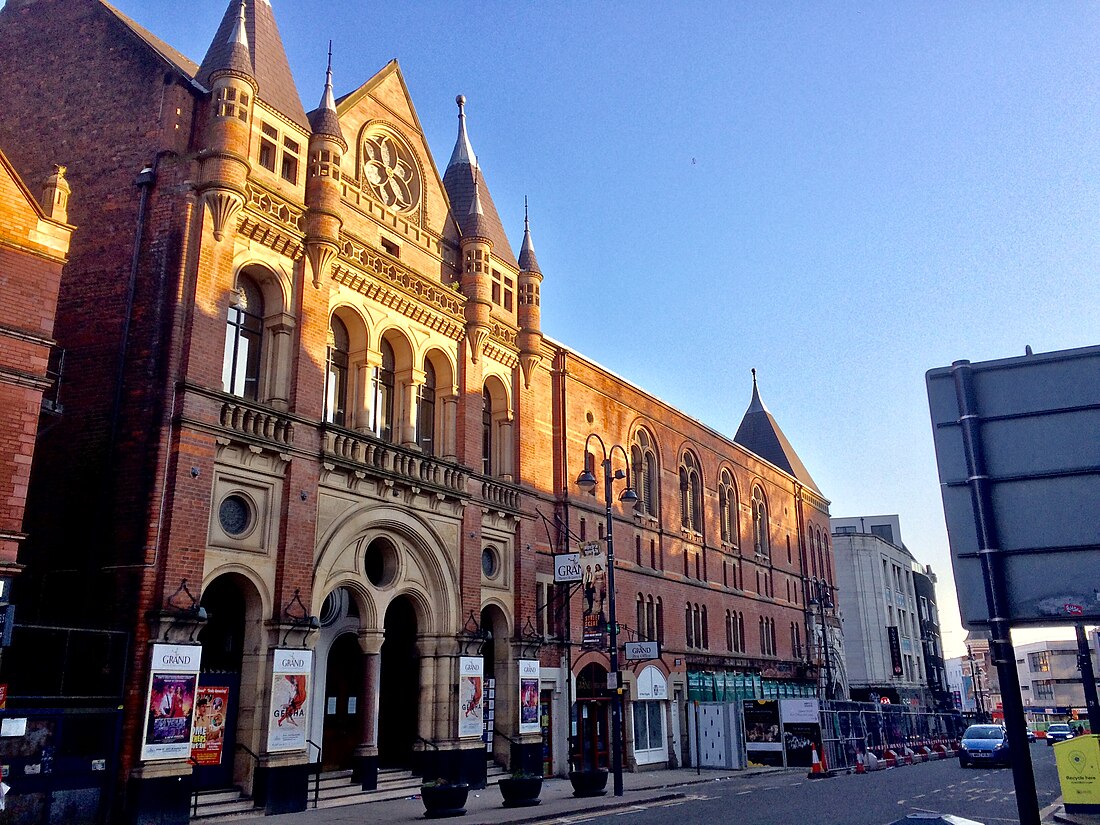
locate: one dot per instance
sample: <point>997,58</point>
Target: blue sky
<point>839,195</point>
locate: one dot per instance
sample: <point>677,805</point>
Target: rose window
<point>390,171</point>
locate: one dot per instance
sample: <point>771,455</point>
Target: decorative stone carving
<point>389,169</point>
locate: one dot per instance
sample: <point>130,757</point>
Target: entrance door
<point>593,741</point>
<point>222,640</point>
<point>343,730</point>
<point>399,688</point>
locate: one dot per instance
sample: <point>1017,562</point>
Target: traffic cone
<point>815,768</point>
<point>860,767</point>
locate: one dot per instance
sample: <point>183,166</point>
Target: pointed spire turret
<point>476,224</point>
<point>233,89</point>
<point>323,119</point>
<point>527,260</point>
<point>760,433</point>
<point>464,179</point>
<point>323,195</point>
<point>530,313</point>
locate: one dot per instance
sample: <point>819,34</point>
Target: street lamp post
<point>587,482</point>
<point>821,594</point>
<point>976,678</point>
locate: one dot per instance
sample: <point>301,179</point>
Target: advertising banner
<point>763,738</point>
<point>594,571</point>
<point>801,730</point>
<point>290,686</point>
<point>208,731</point>
<point>895,650</point>
<point>471,685</point>
<point>528,696</point>
<point>170,702</point>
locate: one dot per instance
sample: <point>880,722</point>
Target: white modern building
<point>878,606</point>
<point>1050,681</point>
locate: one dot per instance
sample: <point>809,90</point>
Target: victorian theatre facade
<point>317,455</point>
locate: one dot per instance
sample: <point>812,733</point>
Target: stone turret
<point>530,312</point>
<point>326,149</point>
<point>55,195</point>
<point>477,247</point>
<point>225,167</point>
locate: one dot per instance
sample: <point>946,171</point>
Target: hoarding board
<point>1038,429</point>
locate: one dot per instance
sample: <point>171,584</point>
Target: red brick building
<point>317,455</point>
<point>34,244</point>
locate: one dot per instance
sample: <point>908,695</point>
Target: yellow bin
<point>1079,773</point>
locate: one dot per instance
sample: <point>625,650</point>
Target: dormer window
<point>279,152</point>
<point>289,169</point>
<point>228,104</point>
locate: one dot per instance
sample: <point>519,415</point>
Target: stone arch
<point>428,573</point>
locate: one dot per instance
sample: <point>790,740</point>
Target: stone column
<point>506,449</point>
<point>449,437</point>
<point>366,754</point>
<point>364,402</point>
<point>280,329</point>
<point>405,425</point>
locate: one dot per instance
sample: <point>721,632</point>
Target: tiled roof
<point>178,61</point>
<point>323,119</point>
<point>527,260</point>
<point>459,182</point>
<point>272,71</point>
<point>760,434</point>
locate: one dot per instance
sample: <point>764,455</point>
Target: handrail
<point>428,742</point>
<point>249,751</point>
<point>506,736</point>
<point>195,793</point>
<point>316,774</point>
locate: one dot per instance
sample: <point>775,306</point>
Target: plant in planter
<point>589,782</point>
<point>521,789</point>
<point>444,798</point>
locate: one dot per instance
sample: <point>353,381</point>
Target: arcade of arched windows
<point>650,617</point>
<point>696,630</point>
<point>377,383</point>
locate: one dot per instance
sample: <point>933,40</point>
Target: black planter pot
<point>444,800</point>
<point>589,783</point>
<point>521,792</point>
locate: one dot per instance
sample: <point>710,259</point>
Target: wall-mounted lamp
<point>195,472</point>
<point>185,610</point>
<point>299,617</point>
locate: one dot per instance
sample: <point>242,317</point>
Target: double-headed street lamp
<point>587,482</point>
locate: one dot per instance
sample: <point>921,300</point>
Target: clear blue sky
<point>840,195</point>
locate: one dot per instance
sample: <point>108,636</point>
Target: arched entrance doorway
<point>499,682</point>
<point>592,745</point>
<point>399,686</point>
<point>343,730</point>
<point>217,699</point>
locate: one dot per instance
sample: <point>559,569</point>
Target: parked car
<point>984,744</point>
<point>1058,732</point>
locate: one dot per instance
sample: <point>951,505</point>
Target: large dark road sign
<point>1034,422</point>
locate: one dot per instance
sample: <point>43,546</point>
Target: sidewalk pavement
<point>483,806</point>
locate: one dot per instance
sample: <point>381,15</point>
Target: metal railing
<point>316,770</point>
<point>849,729</point>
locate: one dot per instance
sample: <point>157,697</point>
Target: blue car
<point>984,744</point>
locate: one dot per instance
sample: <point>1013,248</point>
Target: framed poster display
<point>528,696</point>
<point>290,686</point>
<point>471,709</point>
<point>170,702</point>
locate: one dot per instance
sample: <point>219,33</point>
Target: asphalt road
<point>983,794</point>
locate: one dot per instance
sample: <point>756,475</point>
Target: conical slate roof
<point>464,180</point>
<point>760,434</point>
<point>527,260</point>
<point>323,119</point>
<point>265,47</point>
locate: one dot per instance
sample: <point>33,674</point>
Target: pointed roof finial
<point>463,151</point>
<point>756,405</point>
<point>238,59</point>
<point>527,260</point>
<point>323,119</point>
<point>476,224</point>
<point>239,35</point>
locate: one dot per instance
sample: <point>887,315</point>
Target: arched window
<point>382,386</point>
<point>727,501</point>
<point>660,621</point>
<point>336,389</point>
<point>650,618</point>
<point>761,542</point>
<point>820,553</point>
<point>425,411</point>
<point>741,632</point>
<point>827,571</point>
<point>640,614</point>
<point>644,461</point>
<point>689,627</point>
<point>729,631</point>
<point>690,494</point>
<point>243,333</point>
<point>487,433</point>
<point>705,625</point>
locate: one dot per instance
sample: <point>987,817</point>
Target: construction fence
<point>849,729</point>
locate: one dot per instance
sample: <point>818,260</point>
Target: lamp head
<point>586,481</point>
<point>629,496</point>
